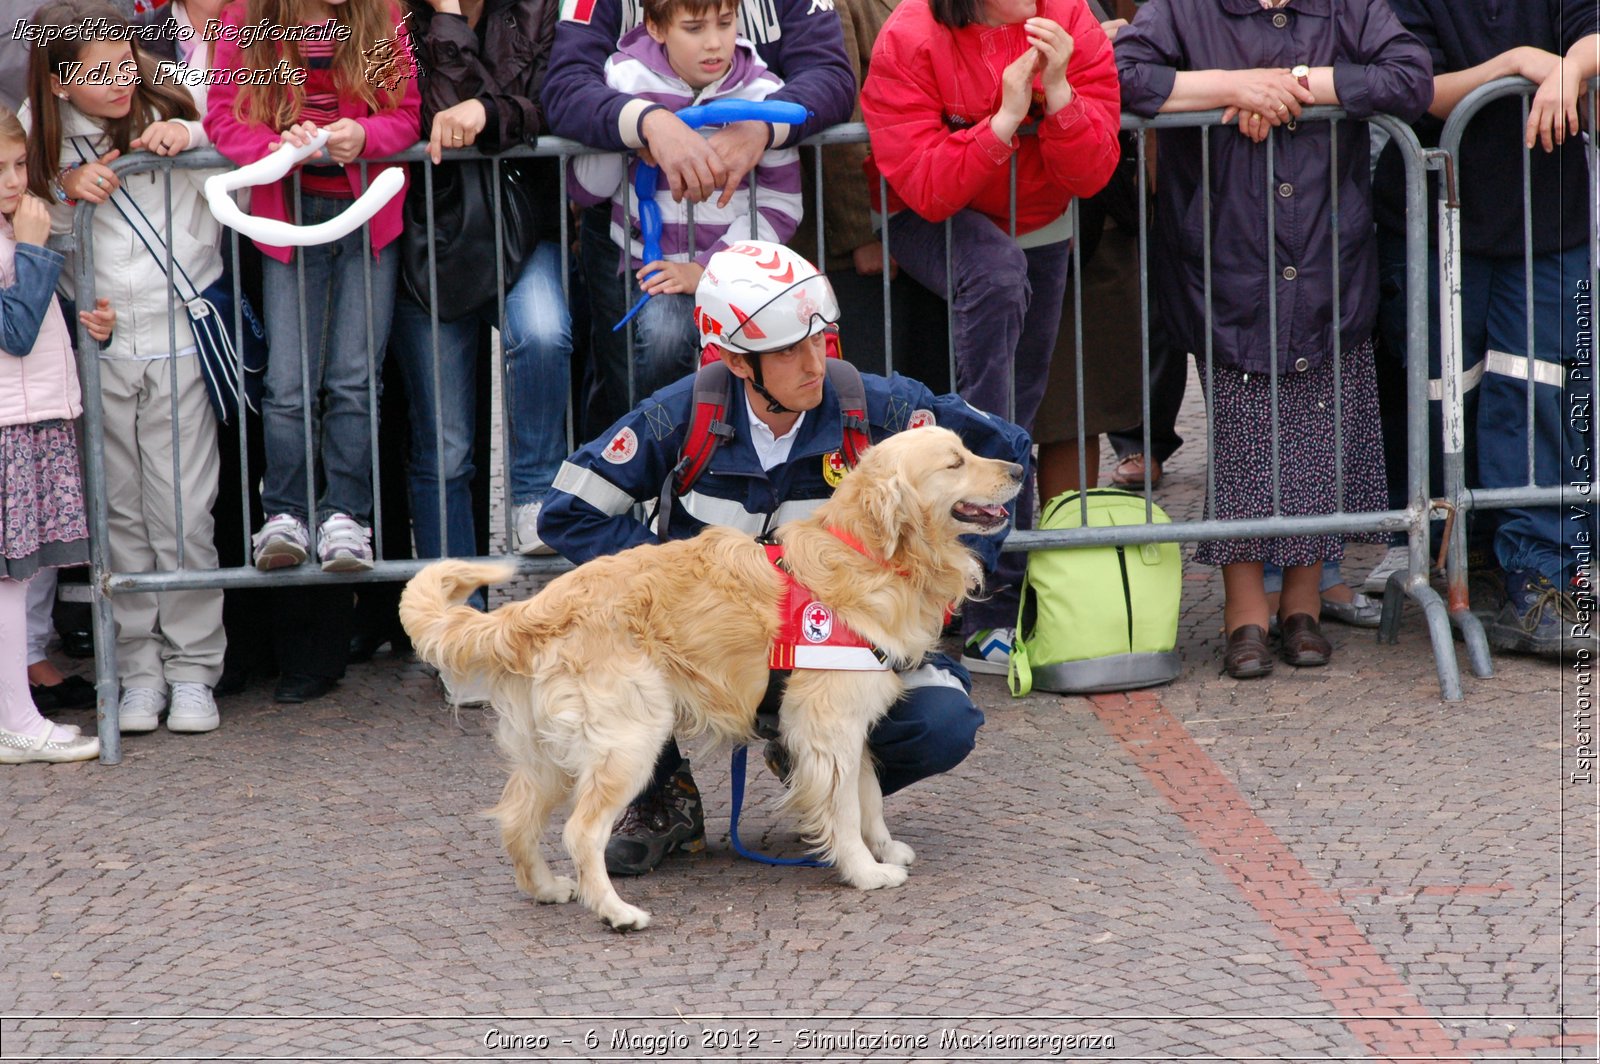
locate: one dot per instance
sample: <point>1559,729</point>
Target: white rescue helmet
<point>756,296</point>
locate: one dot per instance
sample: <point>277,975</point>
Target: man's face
<point>793,375</point>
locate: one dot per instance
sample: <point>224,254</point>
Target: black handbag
<point>465,234</point>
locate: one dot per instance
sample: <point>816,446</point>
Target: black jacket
<point>502,63</point>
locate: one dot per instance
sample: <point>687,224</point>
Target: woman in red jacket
<point>952,82</point>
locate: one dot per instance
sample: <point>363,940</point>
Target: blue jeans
<point>666,343</point>
<point>1494,318</point>
<point>1272,577</point>
<point>323,374</point>
<point>537,349</point>
<point>1005,306</point>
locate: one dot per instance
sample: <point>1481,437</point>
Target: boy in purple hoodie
<point>686,53</point>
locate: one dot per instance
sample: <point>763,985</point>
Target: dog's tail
<point>447,634</point>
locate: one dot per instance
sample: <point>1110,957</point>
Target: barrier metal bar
<point>1414,582</point>
<point>1570,492</point>
<point>1412,519</point>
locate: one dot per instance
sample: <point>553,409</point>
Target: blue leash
<point>645,178</point>
<point>736,774</point>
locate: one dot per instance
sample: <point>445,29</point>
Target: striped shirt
<point>322,177</point>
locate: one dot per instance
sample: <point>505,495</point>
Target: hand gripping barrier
<point>645,180</point>
<point>274,167</point>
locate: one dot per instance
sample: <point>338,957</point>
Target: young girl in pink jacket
<point>321,353</point>
<point>42,523</point>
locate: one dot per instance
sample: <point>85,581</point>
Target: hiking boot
<point>656,823</point>
<point>1540,618</point>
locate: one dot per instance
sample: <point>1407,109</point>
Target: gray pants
<point>174,635</point>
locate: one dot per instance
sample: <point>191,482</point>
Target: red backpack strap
<point>852,393</point>
<point>708,427</point>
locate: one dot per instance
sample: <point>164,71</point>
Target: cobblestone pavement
<point>1327,864</point>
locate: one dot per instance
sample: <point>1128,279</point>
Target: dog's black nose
<point>1015,471</point>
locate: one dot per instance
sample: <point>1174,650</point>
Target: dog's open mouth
<point>987,518</point>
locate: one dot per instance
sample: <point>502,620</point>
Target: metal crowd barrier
<point>1577,494</point>
<point>1413,519</point>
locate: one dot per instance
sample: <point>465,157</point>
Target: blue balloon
<point>715,113</point>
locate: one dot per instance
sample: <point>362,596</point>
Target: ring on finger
<point>99,181</point>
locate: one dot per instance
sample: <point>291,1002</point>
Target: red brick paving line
<point>1308,919</point>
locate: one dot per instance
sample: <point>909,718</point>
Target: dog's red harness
<point>811,635</point>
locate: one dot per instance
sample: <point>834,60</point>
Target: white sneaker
<point>989,651</point>
<point>343,545</point>
<point>1397,560</point>
<point>280,543</point>
<point>140,709</point>
<point>525,531</point>
<point>193,709</point>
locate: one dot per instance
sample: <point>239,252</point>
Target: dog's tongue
<point>999,513</point>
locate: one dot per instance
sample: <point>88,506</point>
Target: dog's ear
<point>893,508</point>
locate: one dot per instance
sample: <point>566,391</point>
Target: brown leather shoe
<point>1248,655</point>
<point>1129,473</point>
<point>1303,642</point>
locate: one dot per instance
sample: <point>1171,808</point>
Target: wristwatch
<point>1302,74</point>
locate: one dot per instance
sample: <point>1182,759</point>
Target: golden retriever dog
<point>590,676</point>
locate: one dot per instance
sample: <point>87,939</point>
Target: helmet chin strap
<point>773,406</point>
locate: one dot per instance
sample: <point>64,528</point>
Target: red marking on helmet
<point>787,276</point>
<point>770,264</point>
<point>750,330</point>
<point>706,323</point>
<point>746,249</point>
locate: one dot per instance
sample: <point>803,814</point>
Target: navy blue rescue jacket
<point>589,509</point>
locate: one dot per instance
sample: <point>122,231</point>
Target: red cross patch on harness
<point>811,636</point>
<point>816,622</point>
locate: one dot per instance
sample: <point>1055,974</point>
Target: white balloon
<point>276,233</point>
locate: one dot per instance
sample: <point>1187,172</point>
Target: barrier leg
<point>1438,618</point>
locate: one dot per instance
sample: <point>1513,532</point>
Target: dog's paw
<point>895,853</point>
<point>624,917</point>
<point>561,889</point>
<point>876,876</point>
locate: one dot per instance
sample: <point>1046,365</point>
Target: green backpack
<point>1098,618</point>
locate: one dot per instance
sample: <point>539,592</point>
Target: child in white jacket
<point>90,100</point>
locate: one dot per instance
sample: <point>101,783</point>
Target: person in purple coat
<point>1262,62</point>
